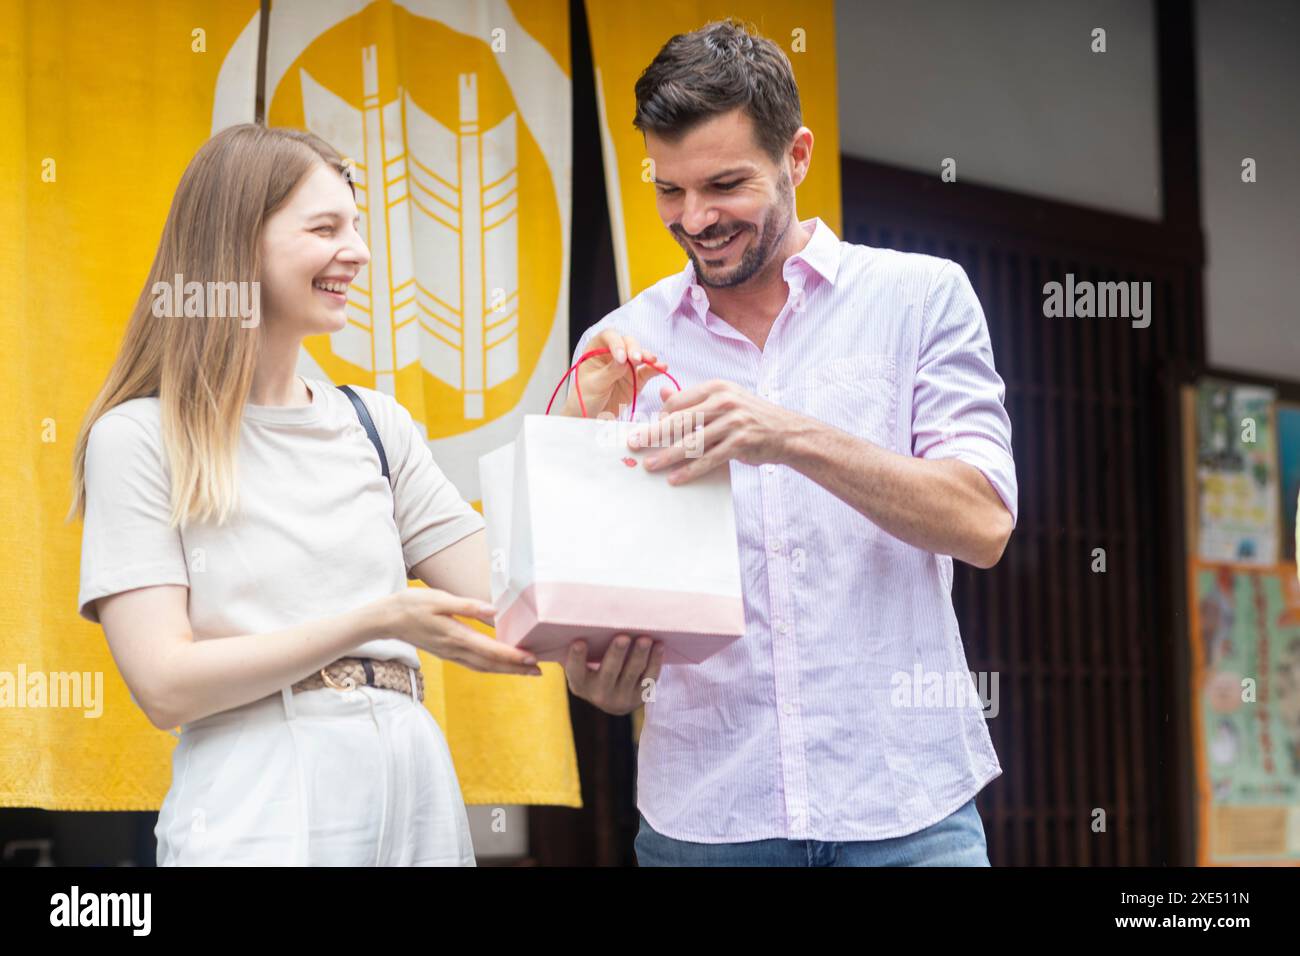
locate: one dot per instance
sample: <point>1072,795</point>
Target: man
<point>852,394</point>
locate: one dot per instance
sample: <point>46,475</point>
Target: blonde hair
<point>201,370</point>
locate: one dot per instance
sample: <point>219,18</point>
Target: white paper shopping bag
<point>587,544</point>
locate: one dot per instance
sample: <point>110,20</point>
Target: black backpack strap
<point>368,424</point>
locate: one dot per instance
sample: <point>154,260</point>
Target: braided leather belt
<point>347,673</point>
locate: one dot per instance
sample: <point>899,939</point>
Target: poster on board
<point>1246,700</point>
<point>1236,473</point>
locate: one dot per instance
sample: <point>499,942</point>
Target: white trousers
<point>325,777</point>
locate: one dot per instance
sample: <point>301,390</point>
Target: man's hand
<point>614,685</point>
<point>735,424</point>
<point>606,380</point>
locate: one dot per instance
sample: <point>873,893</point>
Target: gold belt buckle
<point>349,683</point>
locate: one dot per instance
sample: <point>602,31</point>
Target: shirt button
<point>788,708</point>
<point>769,468</point>
<point>775,546</point>
<point>697,293</point>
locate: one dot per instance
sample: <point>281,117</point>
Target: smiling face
<point>724,199</point>
<point>311,252</point>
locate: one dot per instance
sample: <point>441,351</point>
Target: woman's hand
<point>423,617</point>
<point>605,380</point>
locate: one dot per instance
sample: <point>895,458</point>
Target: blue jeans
<point>956,840</point>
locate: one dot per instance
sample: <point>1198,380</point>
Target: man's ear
<point>800,155</point>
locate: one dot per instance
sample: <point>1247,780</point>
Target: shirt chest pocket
<point>855,393</point>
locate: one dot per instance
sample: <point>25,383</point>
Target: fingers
<point>611,339</point>
<point>623,349</point>
<point>649,371</point>
<point>615,685</point>
<point>575,668</point>
<point>603,678</point>
<point>633,349</point>
<point>611,665</point>
<point>692,468</point>
<point>479,610</point>
<point>459,642</point>
<point>693,395</point>
<point>684,433</point>
<point>656,661</point>
<point>482,653</point>
<point>665,453</point>
<point>637,659</point>
<point>444,602</point>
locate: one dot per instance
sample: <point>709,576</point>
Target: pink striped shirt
<point>847,711</point>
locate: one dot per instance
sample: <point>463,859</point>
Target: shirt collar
<point>821,254</point>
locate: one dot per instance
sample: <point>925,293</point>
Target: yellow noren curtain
<point>457,118</point>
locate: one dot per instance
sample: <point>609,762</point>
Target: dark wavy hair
<point>713,70</point>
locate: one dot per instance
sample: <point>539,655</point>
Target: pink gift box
<point>547,617</point>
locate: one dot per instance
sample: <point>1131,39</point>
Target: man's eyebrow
<point>725,174</point>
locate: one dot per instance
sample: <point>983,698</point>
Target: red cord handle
<point>577,382</point>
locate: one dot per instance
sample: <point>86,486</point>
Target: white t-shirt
<point>318,531</point>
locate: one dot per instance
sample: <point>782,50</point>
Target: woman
<point>245,555</point>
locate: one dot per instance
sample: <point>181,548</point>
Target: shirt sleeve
<point>957,399</point>
<point>431,514</point>
<point>582,346</point>
<point>126,540</point>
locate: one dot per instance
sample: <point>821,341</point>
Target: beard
<point>775,223</point>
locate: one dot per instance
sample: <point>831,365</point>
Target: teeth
<point>340,287</point>
<point>716,243</point>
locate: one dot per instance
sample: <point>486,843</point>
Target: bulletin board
<point>1242,482</point>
